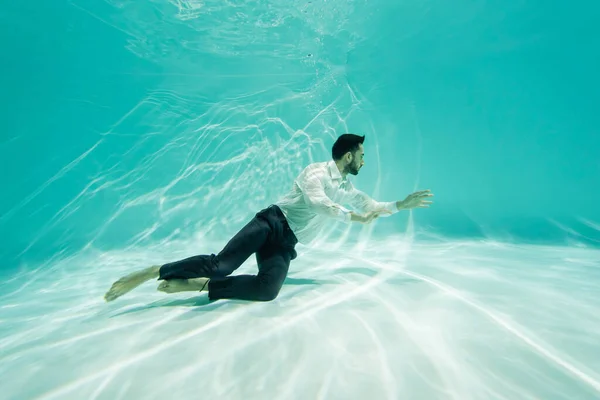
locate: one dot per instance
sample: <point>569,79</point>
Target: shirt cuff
<point>391,206</point>
<point>344,215</point>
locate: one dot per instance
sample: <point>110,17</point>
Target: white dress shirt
<point>317,196</point>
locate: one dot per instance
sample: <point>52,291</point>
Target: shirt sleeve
<point>363,202</point>
<point>311,185</point>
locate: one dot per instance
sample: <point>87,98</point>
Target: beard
<point>352,169</point>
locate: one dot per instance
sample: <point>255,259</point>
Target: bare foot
<point>184,285</point>
<point>131,281</point>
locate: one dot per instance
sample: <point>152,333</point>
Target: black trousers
<point>269,236</point>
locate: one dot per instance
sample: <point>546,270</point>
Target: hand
<point>371,215</point>
<point>416,200</point>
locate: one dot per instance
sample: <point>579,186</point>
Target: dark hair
<point>348,142</point>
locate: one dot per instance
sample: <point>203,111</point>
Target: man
<point>273,233</point>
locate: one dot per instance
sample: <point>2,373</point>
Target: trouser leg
<point>273,267</point>
<point>246,242</point>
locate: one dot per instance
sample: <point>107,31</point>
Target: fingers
<point>377,213</point>
<point>420,194</point>
<point>425,203</point>
<point>424,193</point>
<point>374,215</point>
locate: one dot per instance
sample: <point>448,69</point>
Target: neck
<point>342,169</point>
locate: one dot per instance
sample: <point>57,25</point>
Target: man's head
<point>348,153</point>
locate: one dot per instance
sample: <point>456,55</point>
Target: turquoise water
<point>141,132</point>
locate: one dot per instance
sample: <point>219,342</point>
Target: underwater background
<point>136,133</point>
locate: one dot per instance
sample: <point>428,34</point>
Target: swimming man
<point>272,234</point>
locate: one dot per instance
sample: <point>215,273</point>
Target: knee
<point>268,293</point>
<point>221,269</point>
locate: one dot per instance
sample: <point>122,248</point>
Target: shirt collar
<point>335,172</point>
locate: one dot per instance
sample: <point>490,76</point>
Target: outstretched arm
<point>315,197</point>
<point>314,194</point>
<point>362,201</point>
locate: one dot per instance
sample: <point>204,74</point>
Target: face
<point>356,161</point>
